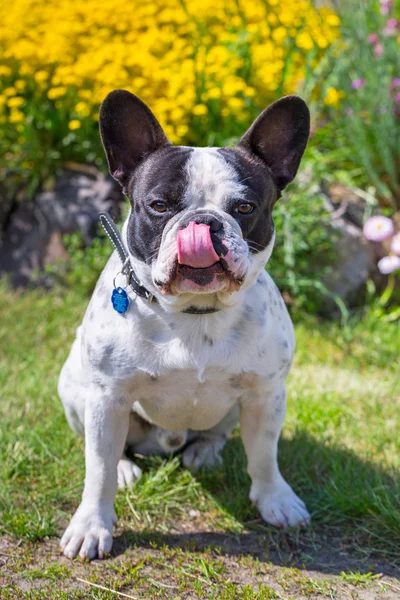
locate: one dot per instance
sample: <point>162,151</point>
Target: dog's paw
<point>89,533</point>
<point>128,473</point>
<point>279,505</point>
<point>203,453</point>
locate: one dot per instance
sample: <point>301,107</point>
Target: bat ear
<point>129,132</point>
<point>279,137</point>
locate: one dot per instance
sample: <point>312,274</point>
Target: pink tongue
<point>195,248</point>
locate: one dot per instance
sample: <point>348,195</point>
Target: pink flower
<point>391,23</point>
<point>395,245</point>
<point>358,83</point>
<point>396,82</point>
<point>390,27</point>
<point>373,38</point>
<point>378,50</point>
<point>388,264</point>
<point>385,6</point>
<point>378,228</point>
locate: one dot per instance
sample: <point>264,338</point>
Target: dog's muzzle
<point>203,260</point>
<point>195,246</point>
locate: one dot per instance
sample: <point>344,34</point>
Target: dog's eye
<point>159,206</point>
<point>244,208</point>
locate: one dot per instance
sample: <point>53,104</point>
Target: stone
<point>354,255</point>
<point>33,233</point>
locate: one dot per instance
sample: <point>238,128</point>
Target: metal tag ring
<point>115,278</point>
<point>125,265</point>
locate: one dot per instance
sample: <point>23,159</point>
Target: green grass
<point>339,450</point>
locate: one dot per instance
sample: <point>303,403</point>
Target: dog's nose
<point>215,225</point>
<point>211,220</point>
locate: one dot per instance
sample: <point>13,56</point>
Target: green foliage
<point>358,578</point>
<point>386,306</point>
<point>362,132</point>
<point>36,149</point>
<point>84,265</point>
<point>304,250</point>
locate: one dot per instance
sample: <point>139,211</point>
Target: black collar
<point>115,237</point>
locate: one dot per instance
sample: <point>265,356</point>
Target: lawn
<point>185,536</point>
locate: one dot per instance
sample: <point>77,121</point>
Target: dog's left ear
<point>279,137</point>
<point>129,132</point>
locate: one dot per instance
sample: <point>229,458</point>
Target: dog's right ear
<point>129,132</point>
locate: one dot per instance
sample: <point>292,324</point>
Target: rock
<point>6,206</point>
<point>345,202</point>
<point>354,255</point>
<point>353,261</point>
<point>33,235</point>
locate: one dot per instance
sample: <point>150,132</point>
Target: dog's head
<point>200,226</point>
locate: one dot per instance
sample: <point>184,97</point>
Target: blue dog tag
<point>120,300</point>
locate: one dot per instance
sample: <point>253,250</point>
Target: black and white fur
<point>159,377</point>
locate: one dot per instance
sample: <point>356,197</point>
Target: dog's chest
<point>185,399</point>
<point>186,372</point>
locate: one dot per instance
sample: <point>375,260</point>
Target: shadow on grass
<point>355,509</point>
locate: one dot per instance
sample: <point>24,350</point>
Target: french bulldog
<point>215,343</point>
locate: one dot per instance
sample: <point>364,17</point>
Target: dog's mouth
<point>201,280</point>
<point>199,266</point>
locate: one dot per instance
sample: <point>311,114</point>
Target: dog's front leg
<point>106,426</point>
<point>261,419</point>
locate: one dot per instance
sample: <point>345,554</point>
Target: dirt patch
<point>193,564</point>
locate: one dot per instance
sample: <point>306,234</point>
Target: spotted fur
<point>156,377</point>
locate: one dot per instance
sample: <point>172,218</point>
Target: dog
<point>209,343</point>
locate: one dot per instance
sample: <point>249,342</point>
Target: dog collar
<point>115,237</point>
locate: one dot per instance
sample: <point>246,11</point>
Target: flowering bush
<point>205,68</point>
<point>379,229</point>
<point>359,81</point>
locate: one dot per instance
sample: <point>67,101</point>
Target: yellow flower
<point>236,103</point>
<point>333,19</point>
<point>214,93</point>
<point>74,124</point>
<point>10,91</point>
<point>56,92</point>
<point>176,59</point>
<point>333,97</point>
<point>5,71</point>
<point>279,34</point>
<point>200,109</point>
<point>16,116</point>
<point>86,94</point>
<point>182,130</point>
<point>41,76</point>
<point>304,41</point>
<point>82,109</point>
<point>15,102</point>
